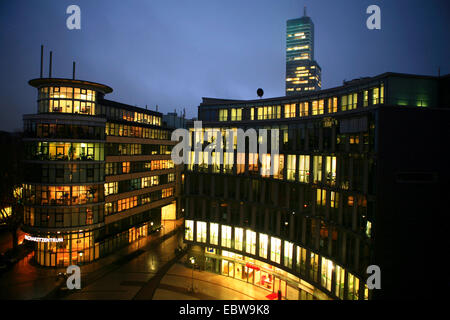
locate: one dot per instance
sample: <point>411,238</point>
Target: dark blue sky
<point>173,52</point>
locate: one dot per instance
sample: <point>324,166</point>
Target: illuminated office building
<point>303,73</point>
<point>356,183</point>
<point>98,173</point>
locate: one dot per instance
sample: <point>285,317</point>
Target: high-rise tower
<point>303,73</point>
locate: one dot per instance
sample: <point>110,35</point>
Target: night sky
<point>171,53</point>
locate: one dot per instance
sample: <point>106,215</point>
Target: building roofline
<point>128,107</point>
<point>358,81</point>
<point>39,82</point>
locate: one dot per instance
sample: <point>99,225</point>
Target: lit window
<point>376,96</point>
<point>334,199</point>
<point>289,110</point>
<point>317,169</point>
<point>330,170</point>
<point>332,104</point>
<point>223,114</point>
<point>250,242</point>
<point>214,233</point>
<point>288,252</point>
<point>353,287</point>
<point>263,243</point>
<point>321,197</point>
<point>303,109</point>
<point>291,166</point>
<point>189,230</point>
<point>201,231</point>
<point>303,173</point>
<point>265,165</point>
<point>226,236</point>
<point>366,98</point>
<point>236,114</point>
<point>327,269</point>
<point>275,249</point>
<point>238,238</point>
<point>340,282</point>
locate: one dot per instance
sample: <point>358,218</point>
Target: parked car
<point>62,275</point>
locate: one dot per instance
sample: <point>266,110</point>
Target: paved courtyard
<point>177,284</point>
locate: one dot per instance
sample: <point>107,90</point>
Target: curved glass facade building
<point>98,172</point>
<point>350,184</point>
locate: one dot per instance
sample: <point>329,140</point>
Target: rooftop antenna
<point>145,107</point>
<point>156,107</point>
<point>304,11</point>
<point>73,71</point>
<point>42,60</point>
<point>50,65</point>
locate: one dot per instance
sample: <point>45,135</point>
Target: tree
<point>11,175</point>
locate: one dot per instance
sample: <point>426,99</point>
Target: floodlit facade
<point>98,173</point>
<point>355,184</point>
<point>303,73</point>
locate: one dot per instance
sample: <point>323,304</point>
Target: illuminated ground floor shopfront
<point>80,247</point>
<point>232,251</point>
<point>260,274</point>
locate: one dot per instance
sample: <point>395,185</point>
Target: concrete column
<point>354,213</point>
<point>338,170</point>
<point>200,184</point>
<point>330,241</point>
<point>274,192</point>
<point>350,164</point>
<point>241,215</point>
<point>278,223</point>
<point>366,176</point>
<point>327,205</point>
<point>253,218</point>
<point>187,180</point>
<point>292,225</point>
<point>288,198</point>
<point>343,249</point>
<point>317,244</point>
<point>321,138</point>
<point>303,237</point>
<point>266,220</point>
<point>333,139</point>
<point>263,191</point>
<point>356,256</point>
<point>204,209</point>
<point>213,185</point>
<point>225,186</point>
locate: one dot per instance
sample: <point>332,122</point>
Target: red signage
<point>251,266</point>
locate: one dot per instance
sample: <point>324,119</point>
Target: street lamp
<point>192,259</point>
